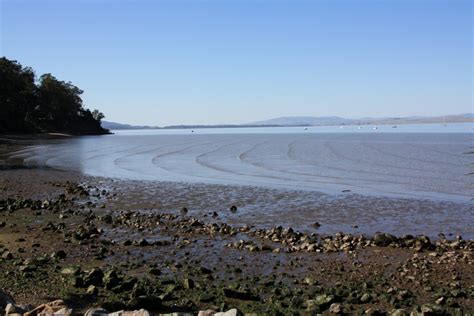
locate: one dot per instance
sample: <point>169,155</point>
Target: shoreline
<point>191,260</point>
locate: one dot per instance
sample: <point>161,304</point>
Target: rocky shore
<point>63,250</point>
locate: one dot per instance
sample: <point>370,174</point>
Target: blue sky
<point>209,62</point>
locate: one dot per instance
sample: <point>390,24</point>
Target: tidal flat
<point>126,245</point>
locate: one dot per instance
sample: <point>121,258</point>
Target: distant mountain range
<point>335,120</point>
<point>315,121</point>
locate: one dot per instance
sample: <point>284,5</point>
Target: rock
<point>365,298</point>
<point>13,309</point>
<point>111,279</point>
<point>5,299</point>
<point>320,303</point>
<point>60,254</point>
<point>208,312</point>
<point>432,309</point>
<point>240,295</point>
<point>71,271</point>
<point>230,312</point>
<point>96,311</point>
<point>176,314</point>
<point>141,312</point>
<point>233,208</point>
<point>7,255</point>
<point>94,277</point>
<point>63,311</point>
<point>374,312</point>
<point>48,309</point>
<point>188,284</point>
<point>154,271</point>
<point>335,308</point>
<point>142,242</point>
<point>399,312</point>
<point>383,240</point>
<point>92,290</point>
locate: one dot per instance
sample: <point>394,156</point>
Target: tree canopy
<point>49,105</point>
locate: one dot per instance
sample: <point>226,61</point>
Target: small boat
<point>360,127</point>
<point>394,126</point>
<point>375,127</point>
<point>305,128</point>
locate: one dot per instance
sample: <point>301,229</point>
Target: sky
<point>230,62</point>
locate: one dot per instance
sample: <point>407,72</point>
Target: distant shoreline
<point>451,119</point>
<point>299,125</point>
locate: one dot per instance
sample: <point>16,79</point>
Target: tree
<point>98,116</point>
<point>17,96</point>
<point>50,106</point>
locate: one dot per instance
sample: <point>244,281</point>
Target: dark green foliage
<point>50,105</point>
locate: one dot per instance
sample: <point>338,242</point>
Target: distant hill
<point>304,120</point>
<point>335,120</point>
<point>311,121</point>
<point>117,126</point>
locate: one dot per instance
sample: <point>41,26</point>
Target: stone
<point>365,298</point>
<point>48,308</point>
<point>7,255</point>
<point>5,299</point>
<point>188,284</point>
<point>60,254</point>
<point>208,312</point>
<point>230,312</point>
<point>96,311</point>
<point>13,309</point>
<point>240,295</point>
<point>335,308</point>
<point>63,311</point>
<point>399,312</point>
<point>71,271</point>
<point>432,309</point>
<point>111,279</point>
<point>92,290</point>
<point>94,277</point>
<point>383,240</point>
<point>141,312</point>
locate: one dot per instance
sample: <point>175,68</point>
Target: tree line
<point>45,105</point>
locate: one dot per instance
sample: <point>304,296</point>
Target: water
<point>427,161</point>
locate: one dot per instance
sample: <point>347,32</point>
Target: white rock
<point>208,312</point>
<point>230,312</point>
<point>96,311</point>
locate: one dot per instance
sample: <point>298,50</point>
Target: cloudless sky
<point>210,62</point>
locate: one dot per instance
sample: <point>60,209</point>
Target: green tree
<point>17,96</point>
<point>49,106</point>
<point>98,116</point>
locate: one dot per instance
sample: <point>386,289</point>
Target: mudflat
<point>123,244</point>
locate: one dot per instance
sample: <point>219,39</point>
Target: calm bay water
<point>421,161</point>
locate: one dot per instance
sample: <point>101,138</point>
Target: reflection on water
<point>422,165</point>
